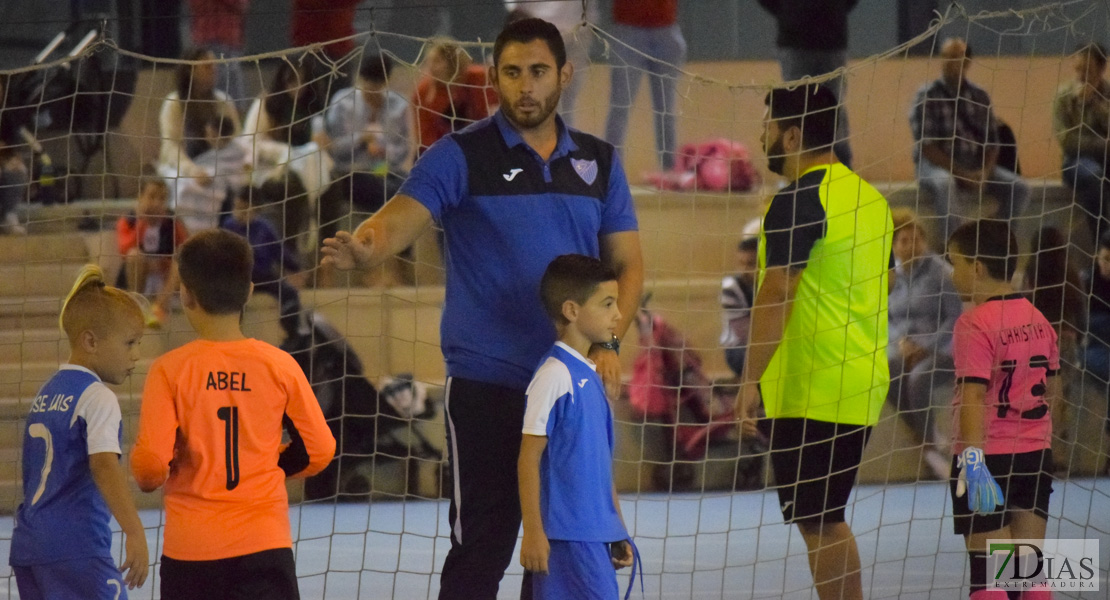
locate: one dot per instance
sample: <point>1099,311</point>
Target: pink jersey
<point>1006,344</point>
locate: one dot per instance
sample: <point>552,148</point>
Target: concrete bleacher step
<point>13,414</point>
<point>38,279</point>
<point>44,248</point>
<point>49,344</point>
<point>24,380</point>
<point>29,312</point>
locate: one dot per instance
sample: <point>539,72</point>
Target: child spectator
<point>72,479</point>
<point>1096,354</point>
<point>147,239</point>
<point>1007,360</point>
<point>211,430</point>
<point>574,535</point>
<point>737,292</point>
<point>273,262</point>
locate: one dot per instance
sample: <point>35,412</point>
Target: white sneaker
<point>12,226</point>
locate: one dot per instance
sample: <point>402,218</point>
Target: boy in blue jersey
<point>574,535</point>
<point>72,480</point>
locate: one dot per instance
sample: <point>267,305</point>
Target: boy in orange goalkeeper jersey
<point>211,430</point>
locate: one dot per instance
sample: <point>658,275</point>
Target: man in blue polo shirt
<point>511,192</point>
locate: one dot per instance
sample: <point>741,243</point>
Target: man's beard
<point>547,106</point>
<point>776,159</point>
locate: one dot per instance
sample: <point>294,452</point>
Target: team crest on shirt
<point>586,169</point>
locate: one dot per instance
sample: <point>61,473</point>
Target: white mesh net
<point>320,144</point>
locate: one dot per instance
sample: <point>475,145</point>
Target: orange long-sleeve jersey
<point>211,431</point>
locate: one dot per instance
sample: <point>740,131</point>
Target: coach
<point>511,193</point>
<point>817,354</point>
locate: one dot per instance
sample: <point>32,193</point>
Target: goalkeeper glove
<point>977,479</point>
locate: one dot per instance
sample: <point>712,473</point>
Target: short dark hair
<point>530,29</point>
<point>376,68</point>
<point>1093,51</point>
<point>1104,240</point>
<point>810,107</point>
<point>571,277</point>
<point>748,244</point>
<point>215,266</point>
<point>990,242</point>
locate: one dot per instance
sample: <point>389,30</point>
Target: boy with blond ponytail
<point>72,479</point>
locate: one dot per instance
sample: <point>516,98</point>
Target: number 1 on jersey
<point>230,416</point>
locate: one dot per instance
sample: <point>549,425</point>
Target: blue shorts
<point>77,579</point>
<point>577,571</point>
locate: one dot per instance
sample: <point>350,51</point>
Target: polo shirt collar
<point>73,367</point>
<point>575,354</point>
<point>563,146</point>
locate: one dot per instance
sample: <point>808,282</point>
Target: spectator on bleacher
<point>225,165</point>
<point>1081,122</point>
<point>956,133</point>
<point>279,126</point>
<point>148,239</point>
<point>1096,353</point>
<point>368,134</point>
<point>737,293</point>
<point>923,307</point>
<point>812,41</point>
<point>218,26</point>
<point>512,192</point>
<point>453,93</point>
<point>186,111</point>
<point>368,125</point>
<point>567,16</point>
<point>649,42</point>
<point>274,263</point>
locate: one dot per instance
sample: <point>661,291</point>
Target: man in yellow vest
<point>817,355</point>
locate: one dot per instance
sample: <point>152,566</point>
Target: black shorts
<point>269,574</point>
<point>815,465</point>
<point>1026,482</point>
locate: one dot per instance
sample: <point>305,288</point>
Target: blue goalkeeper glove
<point>976,478</point>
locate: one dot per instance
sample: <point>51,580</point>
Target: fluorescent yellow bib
<point>831,364</point>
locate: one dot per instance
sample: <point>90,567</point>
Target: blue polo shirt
<point>506,214</point>
<point>567,404</point>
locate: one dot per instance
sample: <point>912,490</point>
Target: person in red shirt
<point>147,240</point>
<point>453,93</point>
<point>651,42</point>
<point>316,21</point>
<point>213,415</point>
<point>218,26</point>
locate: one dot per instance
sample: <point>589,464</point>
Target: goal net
<point>311,144</point>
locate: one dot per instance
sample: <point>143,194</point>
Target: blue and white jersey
<point>567,404</point>
<point>63,516</point>
<point>506,214</point>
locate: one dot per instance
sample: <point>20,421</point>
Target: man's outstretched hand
<point>345,252</point>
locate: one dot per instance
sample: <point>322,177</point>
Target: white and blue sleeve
<point>99,408</point>
<point>551,382</point>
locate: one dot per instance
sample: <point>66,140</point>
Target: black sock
<point>978,570</point>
